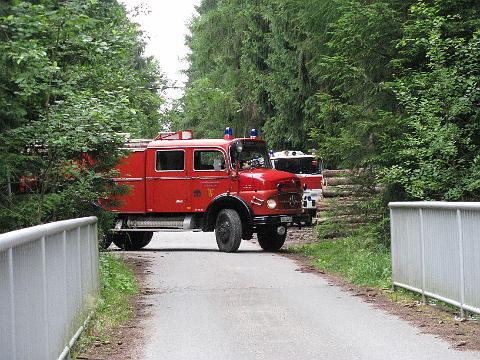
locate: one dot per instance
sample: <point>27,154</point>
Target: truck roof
<point>196,142</point>
<point>189,143</point>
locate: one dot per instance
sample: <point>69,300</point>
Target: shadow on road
<point>166,250</point>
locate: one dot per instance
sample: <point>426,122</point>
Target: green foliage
<point>438,87</point>
<point>117,286</point>
<point>359,258</point>
<point>72,77</point>
<point>222,106</point>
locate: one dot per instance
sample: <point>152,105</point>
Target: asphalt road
<point>254,305</point>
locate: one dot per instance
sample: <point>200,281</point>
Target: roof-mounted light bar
<point>228,133</point>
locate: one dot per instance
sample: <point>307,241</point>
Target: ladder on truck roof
<point>175,135</point>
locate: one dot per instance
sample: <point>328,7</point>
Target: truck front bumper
<point>288,220</point>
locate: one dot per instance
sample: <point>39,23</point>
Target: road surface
<point>254,305</point>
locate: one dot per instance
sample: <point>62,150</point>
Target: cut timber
<point>334,203</point>
<point>332,181</point>
<point>334,173</point>
<point>340,190</point>
<point>345,219</point>
<point>335,231</point>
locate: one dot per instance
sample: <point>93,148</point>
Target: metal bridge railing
<point>49,284</point>
<point>436,251</point>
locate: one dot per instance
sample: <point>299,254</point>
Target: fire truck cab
<point>308,169</point>
<point>224,185</point>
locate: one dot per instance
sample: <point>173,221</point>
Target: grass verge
<point>117,285</point>
<point>359,258</point>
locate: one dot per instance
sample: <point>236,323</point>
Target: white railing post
<point>12,303</point>
<point>422,247</point>
<point>392,248</point>
<point>45,294</point>
<point>79,253</point>
<point>65,273</point>
<point>462,269</point>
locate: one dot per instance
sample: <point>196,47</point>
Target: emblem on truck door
<point>197,193</point>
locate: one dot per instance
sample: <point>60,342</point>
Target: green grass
<point>117,285</point>
<point>359,258</point>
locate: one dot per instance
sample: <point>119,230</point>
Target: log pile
<point>338,214</point>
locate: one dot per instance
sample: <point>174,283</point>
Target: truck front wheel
<point>133,240</point>
<point>228,230</point>
<point>271,238</point>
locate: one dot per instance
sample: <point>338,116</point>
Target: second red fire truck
<point>224,185</point>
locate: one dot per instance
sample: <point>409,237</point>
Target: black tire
<point>134,240</point>
<point>228,230</point>
<point>313,215</point>
<point>309,221</point>
<point>105,242</point>
<point>269,239</point>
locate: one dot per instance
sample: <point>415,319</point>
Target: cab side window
<point>170,160</point>
<point>208,160</point>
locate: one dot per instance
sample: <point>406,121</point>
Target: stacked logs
<point>338,214</point>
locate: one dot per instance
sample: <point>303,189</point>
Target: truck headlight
<point>271,203</point>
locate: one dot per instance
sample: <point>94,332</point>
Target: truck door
<point>209,177</point>
<point>167,181</point>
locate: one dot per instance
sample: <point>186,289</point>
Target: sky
<point>164,23</point>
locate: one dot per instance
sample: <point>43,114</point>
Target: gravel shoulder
<point>127,340</point>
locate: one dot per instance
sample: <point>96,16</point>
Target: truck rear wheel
<point>271,238</point>
<point>228,230</point>
<point>133,240</point>
<point>105,241</point>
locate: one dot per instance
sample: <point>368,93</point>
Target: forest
<point>390,88</point>
<point>389,85</point>
<point>72,78</point>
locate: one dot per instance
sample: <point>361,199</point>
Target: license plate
<point>286,219</point>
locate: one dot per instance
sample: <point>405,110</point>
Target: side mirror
<point>238,147</point>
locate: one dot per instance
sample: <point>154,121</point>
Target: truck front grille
<point>290,201</point>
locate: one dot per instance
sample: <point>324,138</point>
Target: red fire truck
<point>308,169</point>
<point>224,185</point>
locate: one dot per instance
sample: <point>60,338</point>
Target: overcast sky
<point>165,25</point>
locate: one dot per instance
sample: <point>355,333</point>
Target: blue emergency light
<point>254,133</point>
<point>228,133</point>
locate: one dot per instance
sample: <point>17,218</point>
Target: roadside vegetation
<point>117,287</point>
<point>359,258</point>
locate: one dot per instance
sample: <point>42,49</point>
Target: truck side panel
<point>167,189</point>
<point>132,173</point>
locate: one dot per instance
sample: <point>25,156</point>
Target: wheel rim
<point>223,231</point>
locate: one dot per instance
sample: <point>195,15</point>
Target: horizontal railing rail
<point>436,251</point>
<point>49,284</point>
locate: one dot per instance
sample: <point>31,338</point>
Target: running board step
<point>175,222</point>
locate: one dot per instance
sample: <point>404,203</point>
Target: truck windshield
<point>254,155</point>
<point>304,165</point>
